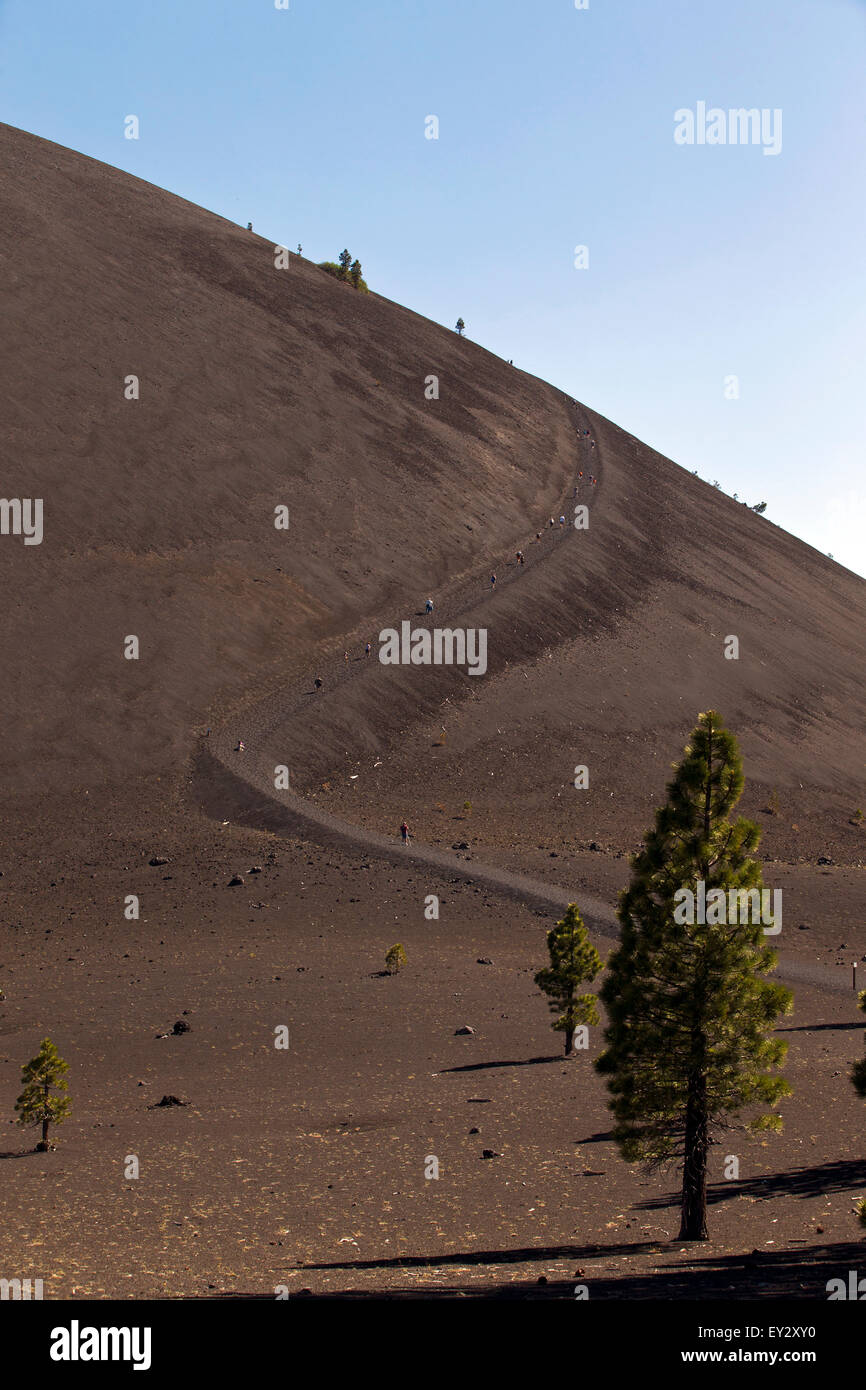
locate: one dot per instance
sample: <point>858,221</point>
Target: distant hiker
<point>538,535</point>
<point>346,657</point>
<point>404,834</point>
<point>249,226</point>
<point>300,248</point>
<point>562,521</point>
<point>520,559</point>
<point>493,581</point>
<point>318,682</point>
<point>428,606</point>
<point>580,474</point>
<point>367,649</point>
<point>551,522</point>
<point>240,747</point>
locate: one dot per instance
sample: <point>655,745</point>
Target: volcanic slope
<point>258,388</point>
<point>261,387</point>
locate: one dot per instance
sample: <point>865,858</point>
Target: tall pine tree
<point>573,959</point>
<point>690,1034</point>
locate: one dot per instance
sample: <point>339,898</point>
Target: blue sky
<point>556,130</point>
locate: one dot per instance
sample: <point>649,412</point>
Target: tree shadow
<point>522,1254</point>
<point>821,1028</point>
<point>797,1182</point>
<point>489,1066</point>
<point>20,1153</point>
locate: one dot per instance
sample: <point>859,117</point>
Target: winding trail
<point>227,787</point>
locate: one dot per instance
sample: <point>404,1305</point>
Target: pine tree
<point>858,1071</point>
<point>689,1037</point>
<point>36,1105</point>
<point>344,260</point>
<point>355,273</point>
<point>460,325</point>
<point>573,959</point>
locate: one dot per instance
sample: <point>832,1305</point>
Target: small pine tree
<point>689,1037</point>
<point>460,325</point>
<point>344,260</point>
<point>395,959</point>
<point>573,959</point>
<point>760,508</point>
<point>355,273</point>
<point>36,1105</point>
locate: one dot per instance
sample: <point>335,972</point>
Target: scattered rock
<point>236,881</point>
<point>484,960</point>
<point>180,1027</point>
<point>822,859</point>
<point>464,1031</point>
<point>490,1153</point>
<point>475,1130</point>
<point>166,1101</point>
<point>256,869</point>
<point>157,860</point>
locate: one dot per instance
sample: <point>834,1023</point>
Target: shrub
<point>347,270</point>
<point>395,958</point>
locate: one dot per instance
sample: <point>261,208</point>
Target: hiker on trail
<point>562,521</point>
<point>493,581</point>
<point>367,649</point>
<point>404,834</point>
<point>428,606</point>
<point>249,226</point>
<point>551,522</point>
<point>300,248</point>
<point>318,682</point>
<point>520,559</point>
<point>240,747</point>
<point>346,657</point>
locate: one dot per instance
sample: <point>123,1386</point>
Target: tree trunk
<point>694,1206</point>
<point>569,1041</point>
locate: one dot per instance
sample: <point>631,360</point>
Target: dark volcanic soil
<point>307,1166</point>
